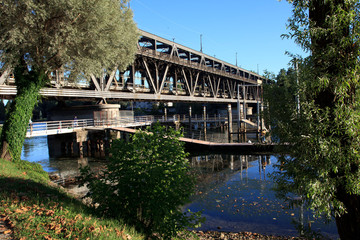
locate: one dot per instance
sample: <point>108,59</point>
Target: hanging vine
<point>13,135</point>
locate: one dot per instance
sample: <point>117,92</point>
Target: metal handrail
<point>70,125</point>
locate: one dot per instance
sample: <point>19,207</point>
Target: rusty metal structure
<point>162,71</point>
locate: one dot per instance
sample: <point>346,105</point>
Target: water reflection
<point>36,150</point>
<point>235,195</point>
<point>218,135</point>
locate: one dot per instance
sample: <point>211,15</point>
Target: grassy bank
<point>33,208</point>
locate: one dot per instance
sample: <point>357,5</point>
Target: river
<point>233,191</point>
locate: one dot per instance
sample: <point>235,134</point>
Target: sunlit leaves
<point>323,161</point>
<point>52,222</point>
<point>85,35</point>
<point>146,182</point>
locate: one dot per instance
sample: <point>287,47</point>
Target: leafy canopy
<point>82,35</point>
<point>323,164</point>
<point>78,37</point>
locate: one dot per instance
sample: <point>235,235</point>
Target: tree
<point>323,164</point>
<point>146,182</point>
<point>39,37</point>
<point>280,94</point>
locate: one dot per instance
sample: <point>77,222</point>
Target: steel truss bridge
<point>162,71</point>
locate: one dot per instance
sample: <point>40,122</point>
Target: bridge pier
<point>61,145</point>
<point>204,122</point>
<point>107,142</point>
<point>81,143</point>
<point>81,149</point>
<point>190,116</point>
<point>229,123</point>
<point>88,145</point>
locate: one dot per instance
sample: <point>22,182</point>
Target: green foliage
<point>80,37</point>
<point>280,95</point>
<point>23,169</point>
<point>84,36</point>
<point>324,136</point>
<point>17,120</point>
<point>146,183</point>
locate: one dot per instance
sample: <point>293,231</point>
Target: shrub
<point>146,183</point>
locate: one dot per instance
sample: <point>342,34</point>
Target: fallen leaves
<point>52,222</point>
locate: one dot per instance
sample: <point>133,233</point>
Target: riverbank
<point>214,235</point>
<point>32,207</point>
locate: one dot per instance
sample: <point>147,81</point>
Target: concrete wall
<point>86,112</point>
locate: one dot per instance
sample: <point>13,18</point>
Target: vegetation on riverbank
<point>314,107</point>
<point>146,182</point>
<point>33,208</point>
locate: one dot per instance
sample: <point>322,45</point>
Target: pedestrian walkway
<point>36,129</point>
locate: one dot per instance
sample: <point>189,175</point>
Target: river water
<point>233,191</point>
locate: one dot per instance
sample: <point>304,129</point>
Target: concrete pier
<point>230,129</point>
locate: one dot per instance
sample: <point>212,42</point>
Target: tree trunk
<point>17,120</point>
<point>348,223</point>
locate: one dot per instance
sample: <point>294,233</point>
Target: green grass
<point>35,209</point>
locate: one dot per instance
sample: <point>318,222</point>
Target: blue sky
<point>250,28</point>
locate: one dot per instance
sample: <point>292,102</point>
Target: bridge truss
<point>162,71</point>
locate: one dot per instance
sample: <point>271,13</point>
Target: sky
<point>246,31</point>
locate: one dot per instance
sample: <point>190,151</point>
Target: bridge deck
<point>162,71</point>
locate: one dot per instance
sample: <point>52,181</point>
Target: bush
<point>146,182</point>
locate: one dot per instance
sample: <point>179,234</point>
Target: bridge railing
<point>50,127</point>
<point>140,120</point>
<point>194,118</point>
<point>64,126</point>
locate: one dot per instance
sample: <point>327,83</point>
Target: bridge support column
<point>71,148</point>
<point>107,142</point>
<point>238,110</point>
<point>79,138</point>
<point>244,102</point>
<point>258,130</point>
<point>220,123</point>
<point>204,121</point>
<point>190,116</point>
<point>88,147</point>
<point>229,123</point>
<point>81,149</point>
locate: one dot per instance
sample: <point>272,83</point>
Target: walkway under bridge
<point>46,128</point>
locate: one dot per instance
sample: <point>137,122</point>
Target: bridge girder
<point>162,71</point>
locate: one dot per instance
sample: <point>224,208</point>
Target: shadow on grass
<point>34,192</point>
<point>40,211</point>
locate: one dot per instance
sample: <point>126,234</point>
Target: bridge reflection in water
<point>236,194</point>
